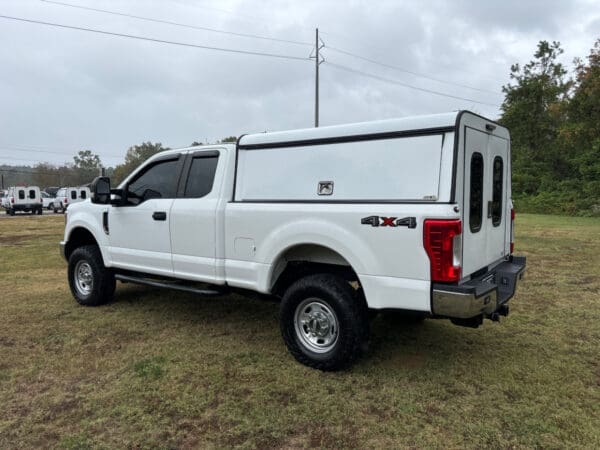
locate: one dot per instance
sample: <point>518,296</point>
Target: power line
<point>29,172</point>
<point>12,158</point>
<point>160,41</point>
<point>399,83</point>
<point>184,25</point>
<point>25,149</point>
<point>417,74</point>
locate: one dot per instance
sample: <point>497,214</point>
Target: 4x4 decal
<point>377,221</point>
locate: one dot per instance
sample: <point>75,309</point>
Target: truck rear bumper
<point>483,295</point>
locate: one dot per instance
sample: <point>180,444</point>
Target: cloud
<point>66,90</point>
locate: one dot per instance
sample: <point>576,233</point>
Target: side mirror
<point>101,190</point>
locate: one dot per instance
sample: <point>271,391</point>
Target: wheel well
<point>78,237</point>
<point>308,259</point>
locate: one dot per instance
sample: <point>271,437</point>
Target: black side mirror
<point>101,190</point>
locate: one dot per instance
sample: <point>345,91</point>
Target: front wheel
<point>324,322</point>
<point>91,283</point>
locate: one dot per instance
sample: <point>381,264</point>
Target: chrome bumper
<point>481,296</point>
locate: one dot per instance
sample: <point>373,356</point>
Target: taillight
<point>512,230</point>
<point>12,199</point>
<point>66,200</point>
<point>443,241</point>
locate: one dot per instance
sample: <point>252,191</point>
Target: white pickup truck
<point>409,214</point>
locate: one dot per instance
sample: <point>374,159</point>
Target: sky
<point>64,90</point>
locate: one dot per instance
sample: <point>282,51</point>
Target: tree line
<point>85,167</point>
<point>554,122</point>
<point>553,118</point>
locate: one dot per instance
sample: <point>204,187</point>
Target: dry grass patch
<point>158,369</point>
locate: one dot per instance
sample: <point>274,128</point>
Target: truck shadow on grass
<point>247,322</point>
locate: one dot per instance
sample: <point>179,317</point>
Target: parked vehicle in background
<point>25,199</point>
<point>410,214</point>
<point>69,195</point>
<point>47,200</point>
<point>4,199</point>
<point>52,190</point>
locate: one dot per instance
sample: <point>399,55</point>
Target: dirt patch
<point>7,342</point>
<point>20,238</point>
<point>62,407</point>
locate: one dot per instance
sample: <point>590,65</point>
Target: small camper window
<point>498,176</point>
<point>476,194</point>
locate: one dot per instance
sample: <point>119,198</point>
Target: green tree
<point>86,167</point>
<point>136,155</point>
<point>230,139</point>
<point>579,136</point>
<point>533,110</point>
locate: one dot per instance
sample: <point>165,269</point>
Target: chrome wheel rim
<point>316,325</point>
<point>84,279</point>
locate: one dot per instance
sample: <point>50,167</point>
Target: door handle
<point>489,209</point>
<point>159,215</point>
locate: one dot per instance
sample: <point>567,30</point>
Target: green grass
<point>158,369</point>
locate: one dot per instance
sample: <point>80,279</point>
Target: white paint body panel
<point>243,240</point>
<point>295,173</point>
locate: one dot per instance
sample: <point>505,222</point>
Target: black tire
<point>102,279</point>
<point>349,310</point>
<point>40,210</point>
<point>50,206</point>
<point>55,210</point>
<point>11,212</point>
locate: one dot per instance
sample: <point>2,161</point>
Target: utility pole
<point>318,46</point>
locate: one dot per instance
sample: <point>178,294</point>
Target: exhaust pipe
<point>503,310</point>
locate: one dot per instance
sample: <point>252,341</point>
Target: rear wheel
<point>91,283</point>
<point>11,211</point>
<point>324,322</point>
<point>39,211</point>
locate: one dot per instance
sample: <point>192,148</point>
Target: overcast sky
<point>63,90</point>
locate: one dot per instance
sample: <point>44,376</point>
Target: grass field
<point>157,369</point>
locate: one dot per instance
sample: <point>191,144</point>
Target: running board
<point>166,285</point>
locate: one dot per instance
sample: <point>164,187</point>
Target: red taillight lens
<point>66,200</point>
<point>443,240</point>
<point>512,230</point>
<point>12,199</point>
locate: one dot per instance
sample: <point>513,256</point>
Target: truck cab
<point>411,214</point>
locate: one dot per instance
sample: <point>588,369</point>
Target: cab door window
<point>159,180</point>
<point>201,176</point>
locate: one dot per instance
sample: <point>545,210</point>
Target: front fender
<point>90,219</point>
